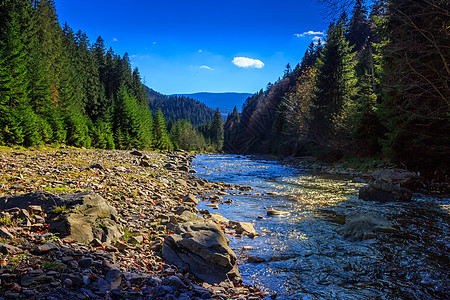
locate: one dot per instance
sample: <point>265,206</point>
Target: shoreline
<point>144,192</point>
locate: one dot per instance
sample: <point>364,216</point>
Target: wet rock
<point>383,191</point>
<point>275,212</point>
<point>219,219</point>
<point>255,259</point>
<point>359,227</point>
<point>243,228</point>
<point>202,249</point>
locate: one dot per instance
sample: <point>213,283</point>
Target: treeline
<point>378,87</point>
<point>57,87</point>
<point>180,107</point>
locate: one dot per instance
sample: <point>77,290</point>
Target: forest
<point>56,87</point>
<point>376,88</point>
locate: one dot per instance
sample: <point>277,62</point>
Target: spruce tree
<point>161,137</point>
<point>335,85</point>
<point>217,130</point>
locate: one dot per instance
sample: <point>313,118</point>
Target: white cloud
<point>200,51</point>
<point>206,68</point>
<point>115,40</point>
<point>317,38</point>
<point>310,32</point>
<point>245,62</point>
<point>154,43</point>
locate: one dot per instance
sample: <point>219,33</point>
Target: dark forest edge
<point>58,88</point>
<point>376,91</point>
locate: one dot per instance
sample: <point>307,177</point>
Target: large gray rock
<point>86,215</point>
<point>360,227</point>
<point>202,249</point>
<point>383,191</point>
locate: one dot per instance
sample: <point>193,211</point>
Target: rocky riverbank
<point>93,224</point>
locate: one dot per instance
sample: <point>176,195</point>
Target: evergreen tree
<point>217,130</point>
<point>415,72</point>
<point>161,138</point>
<point>335,86</point>
<point>14,54</point>
<point>359,28</point>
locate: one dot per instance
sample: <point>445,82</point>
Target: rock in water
<point>86,215</point>
<point>274,212</point>
<point>383,191</point>
<point>202,249</point>
<point>362,227</point>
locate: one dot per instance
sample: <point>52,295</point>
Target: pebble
<point>112,270</point>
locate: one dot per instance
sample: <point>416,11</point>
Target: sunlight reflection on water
<point>306,258</point>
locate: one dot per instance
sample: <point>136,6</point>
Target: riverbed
<point>307,258</point>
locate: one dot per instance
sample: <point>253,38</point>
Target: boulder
<point>202,249</point>
<point>359,227</point>
<point>243,228</point>
<point>219,219</point>
<point>383,191</point>
<point>86,215</point>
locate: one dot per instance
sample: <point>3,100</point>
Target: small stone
<point>190,199</point>
<point>136,239</point>
<point>96,166</point>
<point>136,153</point>
<point>85,262</point>
<point>35,209</point>
<point>96,243</point>
<point>38,219</point>
<point>114,278</point>
<point>176,282</point>
<point>102,286</point>
<point>5,233</point>
<point>45,248</point>
<point>144,163</point>
<point>73,264</point>
<point>28,293</point>
<point>9,249</point>
<point>121,246</point>
<point>67,283</point>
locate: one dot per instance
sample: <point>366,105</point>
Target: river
<point>307,259</point>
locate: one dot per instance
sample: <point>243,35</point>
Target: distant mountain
<point>177,107</point>
<point>224,101</point>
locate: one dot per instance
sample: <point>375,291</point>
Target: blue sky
<point>188,46</point>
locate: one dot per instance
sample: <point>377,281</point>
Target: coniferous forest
<point>58,87</point>
<point>377,88</point>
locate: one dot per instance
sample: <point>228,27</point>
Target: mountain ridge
<point>225,101</point>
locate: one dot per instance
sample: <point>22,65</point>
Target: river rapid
<point>307,258</point>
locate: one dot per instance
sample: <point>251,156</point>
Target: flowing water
<point>307,259</point>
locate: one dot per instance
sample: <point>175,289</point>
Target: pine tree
<point>217,130</point>
<point>15,26</point>
<point>359,28</point>
<point>335,85</point>
<point>415,72</point>
<point>161,137</point>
